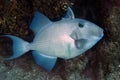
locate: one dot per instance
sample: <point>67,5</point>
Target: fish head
<point>86,35</point>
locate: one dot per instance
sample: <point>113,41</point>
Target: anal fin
<point>44,61</point>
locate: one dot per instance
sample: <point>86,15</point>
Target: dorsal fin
<point>39,21</point>
<point>69,14</point>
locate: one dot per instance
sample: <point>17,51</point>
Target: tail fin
<point>19,47</point>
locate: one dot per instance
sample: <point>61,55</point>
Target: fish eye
<point>80,25</point>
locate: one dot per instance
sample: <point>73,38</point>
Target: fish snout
<point>101,33</point>
<point>98,34</point>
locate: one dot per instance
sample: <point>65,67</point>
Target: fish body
<point>55,39</point>
<point>66,39</point>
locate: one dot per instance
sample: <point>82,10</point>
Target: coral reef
<point>102,62</point>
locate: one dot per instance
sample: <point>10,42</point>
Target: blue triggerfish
<point>66,39</point>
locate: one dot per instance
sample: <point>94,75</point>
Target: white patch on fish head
<point>87,30</point>
<point>85,36</point>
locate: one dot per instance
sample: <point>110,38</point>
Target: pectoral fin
<point>80,43</point>
<point>44,61</point>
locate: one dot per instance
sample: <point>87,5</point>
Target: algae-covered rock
<point>113,48</point>
<point>102,62</point>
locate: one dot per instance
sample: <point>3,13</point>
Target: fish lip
<point>101,33</point>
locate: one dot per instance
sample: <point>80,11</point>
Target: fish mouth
<point>101,33</point>
<point>98,34</point>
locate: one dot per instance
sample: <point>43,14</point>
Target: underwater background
<point>102,62</point>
